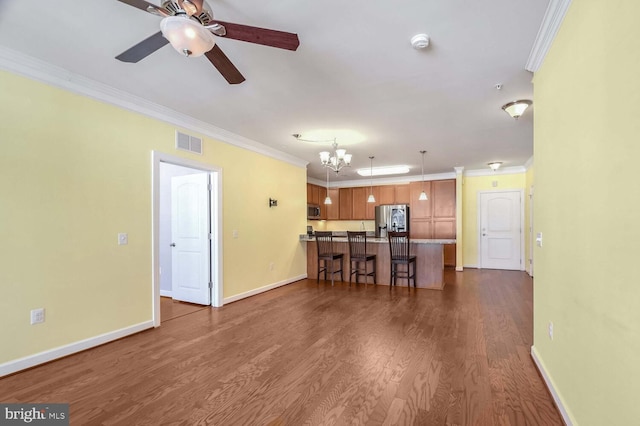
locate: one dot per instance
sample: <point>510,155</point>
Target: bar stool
<point>400,255</point>
<point>324,243</point>
<point>358,256</point>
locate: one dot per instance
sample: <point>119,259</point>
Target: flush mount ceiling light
<point>186,35</point>
<point>495,165</point>
<point>381,171</point>
<point>420,41</point>
<point>516,108</point>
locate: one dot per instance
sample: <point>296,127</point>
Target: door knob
<point>172,244</point>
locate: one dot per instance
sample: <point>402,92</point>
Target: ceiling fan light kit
<point>187,36</point>
<point>189,26</point>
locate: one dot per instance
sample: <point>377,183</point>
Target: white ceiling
<point>355,69</point>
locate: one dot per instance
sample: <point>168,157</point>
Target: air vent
<point>185,142</point>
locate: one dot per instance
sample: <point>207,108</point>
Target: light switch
<point>539,239</point>
<point>123,239</point>
<point>235,233</point>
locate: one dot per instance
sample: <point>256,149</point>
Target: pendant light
<point>423,195</point>
<point>371,198</point>
<point>328,199</point>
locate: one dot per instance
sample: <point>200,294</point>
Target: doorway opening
<point>187,232</point>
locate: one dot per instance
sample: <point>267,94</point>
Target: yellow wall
<point>587,207</point>
<point>527,217</point>
<point>75,173</point>
<point>470,187</point>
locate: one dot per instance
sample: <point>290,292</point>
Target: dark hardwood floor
<point>310,353</point>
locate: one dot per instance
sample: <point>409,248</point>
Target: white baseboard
<point>72,348</point>
<point>471,266</point>
<point>566,417</point>
<point>262,289</point>
<point>166,293</point>
<point>459,268</point>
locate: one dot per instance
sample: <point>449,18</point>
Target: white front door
<point>190,228</point>
<point>501,230</point>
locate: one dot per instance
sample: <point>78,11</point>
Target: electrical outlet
<point>539,239</point>
<point>551,330</point>
<point>123,239</point>
<point>37,316</point>
<point>235,233</point>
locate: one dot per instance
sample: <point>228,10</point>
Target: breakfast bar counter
<point>429,260</point>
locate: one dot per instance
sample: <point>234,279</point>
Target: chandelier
<point>337,159</point>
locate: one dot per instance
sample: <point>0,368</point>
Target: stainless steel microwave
<point>313,211</point>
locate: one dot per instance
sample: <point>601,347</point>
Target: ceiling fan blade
<point>224,65</point>
<point>143,49</point>
<point>266,37</point>
<point>147,7</point>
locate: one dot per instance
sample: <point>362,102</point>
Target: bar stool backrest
<point>324,240</point>
<point>399,245</point>
<point>357,244</point>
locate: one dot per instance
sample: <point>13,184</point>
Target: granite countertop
<point>343,239</point>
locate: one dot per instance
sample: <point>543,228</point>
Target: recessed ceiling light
<point>381,171</point>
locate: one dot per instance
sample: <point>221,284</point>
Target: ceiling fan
<point>189,26</point>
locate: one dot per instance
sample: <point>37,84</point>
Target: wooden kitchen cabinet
<point>402,194</point>
<point>420,209</point>
<point>333,209</point>
<point>444,198</point>
<point>436,217</point>
<point>346,203</point>
<point>421,228</point>
<point>387,194</point>
<point>359,203</point>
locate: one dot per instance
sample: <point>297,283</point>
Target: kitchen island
<point>429,260</point>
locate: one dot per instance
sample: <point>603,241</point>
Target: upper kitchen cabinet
<point>333,209</point>
<point>359,203</point>
<point>346,203</point>
<point>420,209</point>
<point>403,194</point>
<point>392,194</point>
<point>316,195</point>
<point>444,198</point>
<point>386,194</point>
<point>361,208</point>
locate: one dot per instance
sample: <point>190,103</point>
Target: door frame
<point>531,238</point>
<point>215,174</point>
<point>479,224</point>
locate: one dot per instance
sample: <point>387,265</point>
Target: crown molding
<point>528,163</point>
<point>551,22</point>
<point>500,171</point>
<point>382,181</point>
<point>45,72</point>
<point>437,176</point>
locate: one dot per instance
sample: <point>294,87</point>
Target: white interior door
<point>501,230</point>
<point>190,230</point>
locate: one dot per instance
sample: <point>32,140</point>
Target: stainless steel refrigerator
<point>392,217</point>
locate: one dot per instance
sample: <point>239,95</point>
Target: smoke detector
<point>420,41</point>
